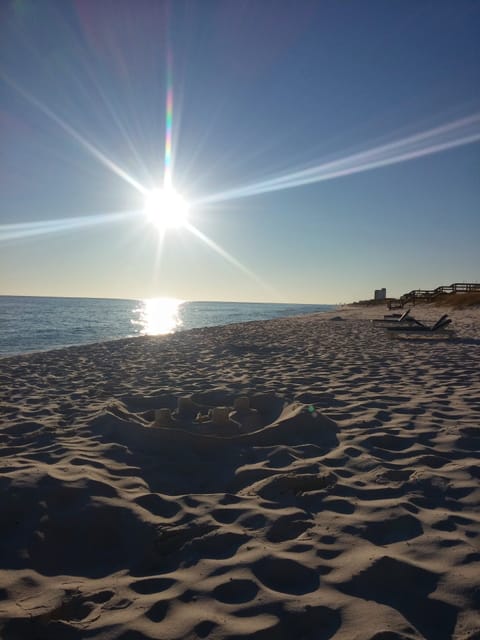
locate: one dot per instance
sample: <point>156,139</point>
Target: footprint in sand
<point>288,527</point>
<point>389,531</point>
<point>338,505</point>
<point>216,545</point>
<point>329,554</point>
<point>253,521</point>
<point>152,585</point>
<point>236,591</point>
<point>389,442</point>
<point>158,611</point>
<point>406,588</point>
<point>204,628</point>
<point>157,505</point>
<point>227,516</point>
<point>285,575</point>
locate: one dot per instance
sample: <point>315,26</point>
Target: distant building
<point>380,294</point>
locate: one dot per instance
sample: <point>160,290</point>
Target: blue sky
<point>326,148</point>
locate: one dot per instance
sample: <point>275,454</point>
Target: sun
<point>166,209</point>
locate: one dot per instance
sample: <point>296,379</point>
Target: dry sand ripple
<point>350,509</point>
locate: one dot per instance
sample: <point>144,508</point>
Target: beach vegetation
<point>458,300</point>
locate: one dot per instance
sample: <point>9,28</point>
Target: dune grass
<point>458,300</point>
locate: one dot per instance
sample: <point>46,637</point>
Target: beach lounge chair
<point>419,327</point>
<point>405,317</point>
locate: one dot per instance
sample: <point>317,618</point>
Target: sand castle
<point>241,418</point>
<point>216,442</point>
<point>219,420</point>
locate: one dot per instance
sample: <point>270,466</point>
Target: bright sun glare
<point>166,209</point>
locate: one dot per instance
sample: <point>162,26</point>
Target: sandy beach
<point>338,498</point>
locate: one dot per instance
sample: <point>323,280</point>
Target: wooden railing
<point>428,295</point>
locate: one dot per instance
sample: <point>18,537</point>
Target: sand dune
<point>343,503</point>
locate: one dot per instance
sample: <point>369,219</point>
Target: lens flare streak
<point>229,258</point>
<point>31,229</point>
<point>88,146</point>
<point>448,136</point>
<point>169,122</point>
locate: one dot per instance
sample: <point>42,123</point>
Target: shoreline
<point>172,320</point>
<point>348,504</point>
<point>425,312</point>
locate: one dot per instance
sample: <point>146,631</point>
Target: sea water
<point>38,323</point>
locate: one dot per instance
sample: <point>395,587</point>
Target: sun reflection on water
<point>158,316</point>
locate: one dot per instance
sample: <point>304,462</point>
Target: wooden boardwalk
<point>428,295</point>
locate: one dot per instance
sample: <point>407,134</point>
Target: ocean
<point>38,323</point>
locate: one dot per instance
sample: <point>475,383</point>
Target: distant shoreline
<point>160,297</point>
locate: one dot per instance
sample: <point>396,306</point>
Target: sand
<point>343,504</point>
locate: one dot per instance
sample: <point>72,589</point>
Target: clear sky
<point>326,148</point>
